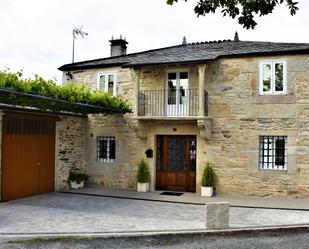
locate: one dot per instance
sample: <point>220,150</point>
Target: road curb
<point>249,232</point>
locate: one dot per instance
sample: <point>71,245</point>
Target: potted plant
<point>77,178</point>
<point>208,180</point>
<point>143,177</point>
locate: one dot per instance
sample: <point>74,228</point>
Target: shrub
<point>143,173</point>
<point>209,177</point>
<point>77,176</point>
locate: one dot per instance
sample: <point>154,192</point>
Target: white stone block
<point>143,187</point>
<point>217,215</point>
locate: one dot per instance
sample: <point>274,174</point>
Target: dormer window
<point>107,83</point>
<point>272,78</point>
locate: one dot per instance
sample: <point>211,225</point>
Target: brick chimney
<point>118,46</point>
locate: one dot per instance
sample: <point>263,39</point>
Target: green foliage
<point>244,10</point>
<point>209,177</point>
<point>143,173</point>
<point>77,176</point>
<point>73,93</point>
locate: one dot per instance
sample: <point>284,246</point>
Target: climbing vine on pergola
<point>46,95</point>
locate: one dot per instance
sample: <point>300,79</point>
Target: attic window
<point>107,83</point>
<point>272,78</point>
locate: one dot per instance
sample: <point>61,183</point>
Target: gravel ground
<point>263,240</point>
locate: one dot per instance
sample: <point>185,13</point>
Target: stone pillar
<point>201,88</point>
<point>217,215</point>
<point>136,91</point>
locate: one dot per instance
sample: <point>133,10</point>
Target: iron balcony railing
<point>169,103</point>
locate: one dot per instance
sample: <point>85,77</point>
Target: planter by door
<point>75,185</point>
<point>143,187</point>
<point>207,191</point>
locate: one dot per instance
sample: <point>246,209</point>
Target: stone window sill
<point>274,99</point>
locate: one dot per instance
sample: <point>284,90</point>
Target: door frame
<point>187,173</point>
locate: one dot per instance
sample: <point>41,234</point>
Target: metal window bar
<point>106,149</point>
<point>273,152</point>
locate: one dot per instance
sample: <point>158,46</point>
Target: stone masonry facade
<point>238,116</point>
<point>70,148</point>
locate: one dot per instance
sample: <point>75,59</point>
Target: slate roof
<point>200,52</point>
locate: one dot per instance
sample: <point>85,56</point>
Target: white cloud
<point>37,35</point>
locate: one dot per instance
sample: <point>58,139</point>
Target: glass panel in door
<point>183,94</point>
<point>171,94</point>
<point>177,93</point>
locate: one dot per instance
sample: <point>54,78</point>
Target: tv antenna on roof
<point>77,31</point>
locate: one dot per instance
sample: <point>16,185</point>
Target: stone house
<point>242,105</point>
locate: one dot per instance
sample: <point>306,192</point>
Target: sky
<point>36,35</point>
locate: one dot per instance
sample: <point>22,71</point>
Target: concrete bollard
<point>217,215</point>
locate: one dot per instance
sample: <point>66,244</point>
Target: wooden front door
<point>28,155</point>
<point>176,163</point>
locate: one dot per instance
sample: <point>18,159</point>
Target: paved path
<point>71,213</point>
<point>236,201</point>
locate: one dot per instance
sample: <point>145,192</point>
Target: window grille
<point>273,152</point>
<point>106,149</point>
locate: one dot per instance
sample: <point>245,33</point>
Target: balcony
<point>172,103</point>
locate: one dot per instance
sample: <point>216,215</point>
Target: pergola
<point>13,98</point>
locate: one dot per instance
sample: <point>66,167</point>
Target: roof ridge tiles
<point>208,42</point>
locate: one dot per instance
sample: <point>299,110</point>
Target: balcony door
<point>177,93</point>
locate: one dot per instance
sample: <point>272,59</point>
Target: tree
<point>244,10</point>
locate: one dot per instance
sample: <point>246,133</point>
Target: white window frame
<point>106,82</point>
<point>272,79</point>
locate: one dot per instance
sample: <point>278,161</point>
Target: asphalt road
<point>296,239</point>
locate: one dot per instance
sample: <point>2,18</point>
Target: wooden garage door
<point>28,155</point>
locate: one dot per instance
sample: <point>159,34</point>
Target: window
<point>107,83</point>
<point>272,78</point>
<point>273,152</point>
<point>106,149</point>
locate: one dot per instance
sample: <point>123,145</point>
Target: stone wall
<point>122,172</point>
<point>70,148</point>
<point>238,115</point>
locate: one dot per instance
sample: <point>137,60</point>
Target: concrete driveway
<point>71,213</point>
